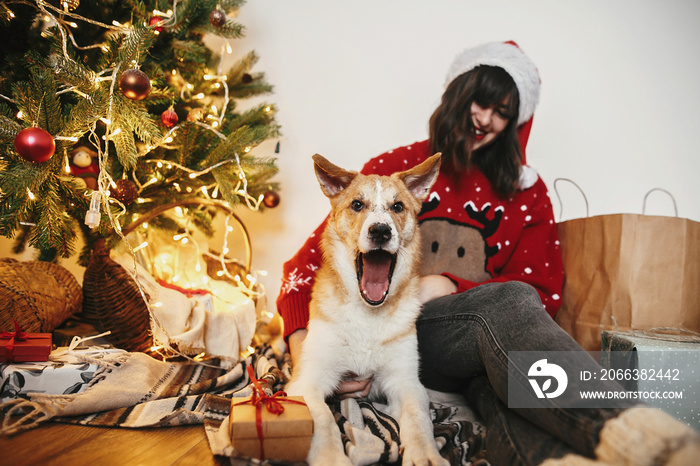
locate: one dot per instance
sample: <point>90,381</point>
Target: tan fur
<point>349,334</point>
<point>408,333</point>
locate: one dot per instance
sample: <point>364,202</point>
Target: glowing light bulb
<point>141,246</point>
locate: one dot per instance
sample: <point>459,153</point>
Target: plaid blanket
<point>133,390</point>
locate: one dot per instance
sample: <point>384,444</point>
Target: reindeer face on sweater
<point>460,249</point>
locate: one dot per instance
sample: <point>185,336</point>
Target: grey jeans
<point>464,340</point>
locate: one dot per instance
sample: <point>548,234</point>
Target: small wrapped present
<point>276,427</point>
<point>19,346</point>
<point>659,364</point>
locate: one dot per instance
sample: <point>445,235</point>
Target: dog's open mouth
<point>374,271</point>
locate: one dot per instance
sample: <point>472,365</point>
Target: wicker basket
<point>38,295</point>
<point>111,298</point>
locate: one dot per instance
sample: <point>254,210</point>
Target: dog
<point>364,306</point>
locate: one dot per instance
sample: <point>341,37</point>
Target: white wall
<point>619,111</point>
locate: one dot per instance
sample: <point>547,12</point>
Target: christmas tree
<point>111,109</point>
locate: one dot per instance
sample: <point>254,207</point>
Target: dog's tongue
<point>376,267</point>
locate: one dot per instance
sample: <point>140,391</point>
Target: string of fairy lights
<point>65,20</point>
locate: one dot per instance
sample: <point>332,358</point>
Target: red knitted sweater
<point>468,233</point>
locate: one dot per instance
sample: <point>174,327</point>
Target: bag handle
<point>561,204</point>
<point>644,205</point>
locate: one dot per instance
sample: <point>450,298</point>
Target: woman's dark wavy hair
<point>452,130</point>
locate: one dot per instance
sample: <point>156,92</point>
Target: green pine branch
<point>135,45</point>
<point>53,226</point>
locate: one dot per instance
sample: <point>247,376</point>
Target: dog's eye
<point>357,205</point>
<point>397,207</point>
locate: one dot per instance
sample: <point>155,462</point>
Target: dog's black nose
<point>380,233</point>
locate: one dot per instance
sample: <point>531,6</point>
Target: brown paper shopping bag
<point>629,271</point>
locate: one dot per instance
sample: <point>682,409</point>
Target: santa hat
<point>510,57</point>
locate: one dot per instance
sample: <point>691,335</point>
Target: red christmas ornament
<point>134,84</point>
<point>34,145</point>
<point>169,118</point>
<point>217,18</point>
<point>271,199</point>
<point>246,78</point>
<point>154,21</point>
<point>125,191</point>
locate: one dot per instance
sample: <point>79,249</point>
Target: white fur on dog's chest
<point>361,342</point>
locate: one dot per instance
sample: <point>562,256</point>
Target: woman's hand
<point>349,387</point>
<point>296,340</point>
<point>435,286</point>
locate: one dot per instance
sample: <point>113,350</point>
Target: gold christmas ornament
<point>196,114</point>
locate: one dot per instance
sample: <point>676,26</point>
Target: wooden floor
<point>67,444</point>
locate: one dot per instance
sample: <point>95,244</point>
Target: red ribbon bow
<point>18,335</point>
<point>273,404</point>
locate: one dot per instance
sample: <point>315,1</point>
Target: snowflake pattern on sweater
<point>468,233</point>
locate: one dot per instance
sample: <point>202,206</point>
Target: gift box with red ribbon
<point>19,346</point>
<point>271,427</point>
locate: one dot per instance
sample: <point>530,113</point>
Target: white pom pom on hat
<point>510,57</point>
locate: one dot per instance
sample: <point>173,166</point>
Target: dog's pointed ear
<point>332,179</point>
<point>420,178</point>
